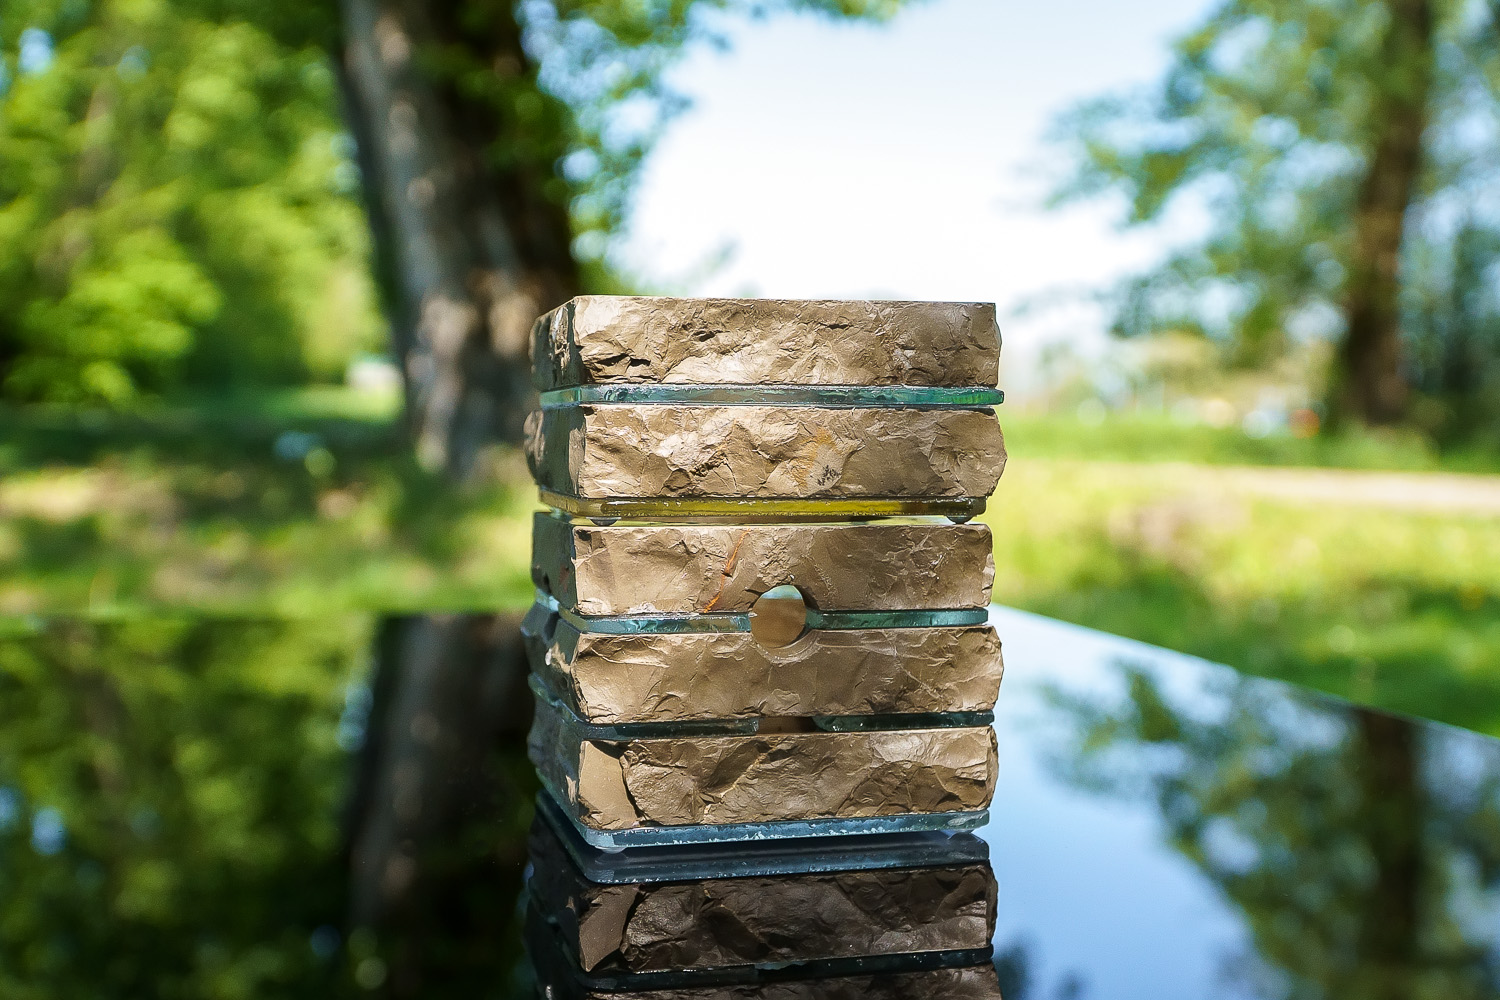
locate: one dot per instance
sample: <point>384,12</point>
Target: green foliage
<point>177,192</point>
<point>174,800</point>
<point>1455,318</point>
<point>1391,604</point>
<point>169,793</point>
<point>176,204</point>
<point>1302,574</point>
<point>1259,137</point>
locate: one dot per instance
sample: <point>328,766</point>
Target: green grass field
<point>1158,438</point>
<point>1154,531</point>
<point>1390,607</point>
<point>232,514</point>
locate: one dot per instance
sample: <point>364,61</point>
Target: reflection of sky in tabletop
<point>1165,827</point>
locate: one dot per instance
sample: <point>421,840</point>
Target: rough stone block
<point>635,569</point>
<point>718,923</point>
<point>606,451</point>
<point>636,339</point>
<point>688,781</point>
<point>617,679</point>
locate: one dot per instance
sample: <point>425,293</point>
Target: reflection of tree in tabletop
<point>1015,965</point>
<point>169,796</point>
<point>1362,851</point>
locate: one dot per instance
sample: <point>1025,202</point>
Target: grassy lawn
<point>1387,607</point>
<point>237,514</point>
<point>1128,528</point>
<point>1134,437</point>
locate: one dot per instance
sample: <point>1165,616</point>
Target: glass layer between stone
<point>787,856</point>
<point>609,510</point>
<point>785,395</point>
<point>741,621</point>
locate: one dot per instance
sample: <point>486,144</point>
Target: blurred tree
<point>1324,148</point>
<point>498,140</point>
<point>177,207</point>
<point>174,180</point>
<point>459,147</point>
<point>1455,322</point>
<point>436,831</point>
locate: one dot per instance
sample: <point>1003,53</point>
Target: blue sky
<point>903,160</point>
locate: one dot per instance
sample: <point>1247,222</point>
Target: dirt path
<point>1434,492</point>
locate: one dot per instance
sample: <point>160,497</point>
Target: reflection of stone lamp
<point>898,917</point>
<point>751,621</point>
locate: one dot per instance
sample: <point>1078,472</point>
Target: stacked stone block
<point>761,606</point>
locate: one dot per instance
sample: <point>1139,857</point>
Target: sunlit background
<point>907,160</point>
<point>1247,263</point>
<point>203,395</point>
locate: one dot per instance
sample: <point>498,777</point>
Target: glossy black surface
<point>1170,828</point>
<point>233,808</point>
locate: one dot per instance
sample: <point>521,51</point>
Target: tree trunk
<point>442,790</point>
<point>1371,386</point>
<point>470,224</point>
<point>1390,929</point>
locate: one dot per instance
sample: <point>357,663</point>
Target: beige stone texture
<point>637,339</point>
<point>609,451</point>
<point>755,919</point>
<point>617,679</point>
<point>634,569</point>
<point>677,781</point>
<point>797,918</point>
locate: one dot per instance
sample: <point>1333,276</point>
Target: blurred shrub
<point>1262,144</point>
<point>169,794</point>
<point>177,208</point>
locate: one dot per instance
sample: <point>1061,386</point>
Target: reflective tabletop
<point>262,808</point>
